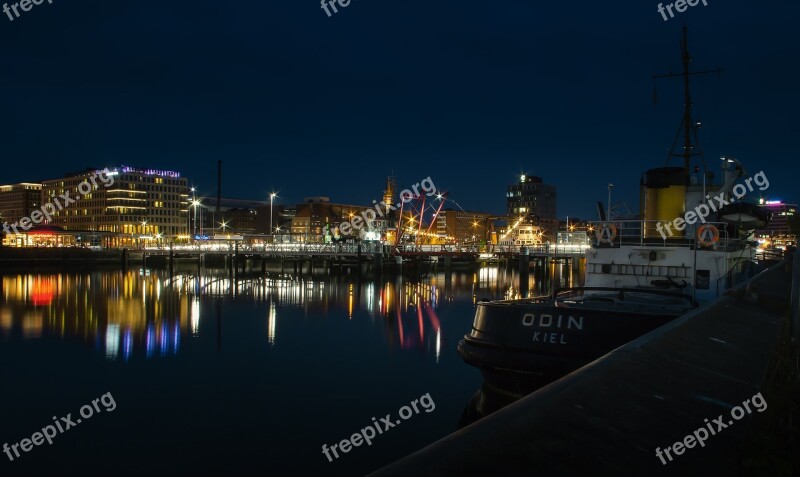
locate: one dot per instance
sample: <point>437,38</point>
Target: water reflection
<point>148,312</point>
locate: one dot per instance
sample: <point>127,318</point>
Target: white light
<point>195,316</point>
<point>112,341</point>
<point>438,344</point>
<point>272,318</point>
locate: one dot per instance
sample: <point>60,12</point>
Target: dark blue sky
<point>470,93</point>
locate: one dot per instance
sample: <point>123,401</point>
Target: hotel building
<point>140,204</point>
<point>19,200</point>
<point>535,202</point>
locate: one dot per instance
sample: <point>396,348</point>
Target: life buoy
<point>707,235</point>
<point>607,234</point>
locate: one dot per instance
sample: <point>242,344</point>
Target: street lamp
<point>195,203</point>
<point>194,222</point>
<point>272,196</point>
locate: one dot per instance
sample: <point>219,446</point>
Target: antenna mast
<point>686,124</point>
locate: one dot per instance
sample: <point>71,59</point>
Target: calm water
<point>214,375</point>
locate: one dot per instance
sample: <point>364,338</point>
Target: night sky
<point>470,93</point>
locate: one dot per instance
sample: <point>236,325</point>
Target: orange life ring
<point>703,231</point>
<point>612,234</point>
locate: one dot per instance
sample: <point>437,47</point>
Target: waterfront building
<point>462,226</point>
<point>778,232</point>
<point>19,200</point>
<point>317,220</point>
<point>574,231</point>
<point>235,216</point>
<point>535,202</point>
<point>140,206</point>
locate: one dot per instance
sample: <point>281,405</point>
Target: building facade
<point>778,233</point>
<point>131,206</point>
<point>233,216</point>
<point>535,202</point>
<point>463,227</point>
<point>19,200</point>
<point>317,220</point>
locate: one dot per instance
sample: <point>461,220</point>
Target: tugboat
<point>640,274</point>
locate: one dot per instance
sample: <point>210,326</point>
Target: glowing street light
<point>271,198</point>
<point>194,203</point>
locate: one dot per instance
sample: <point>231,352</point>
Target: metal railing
<point>282,249</point>
<point>632,232</point>
<point>553,249</point>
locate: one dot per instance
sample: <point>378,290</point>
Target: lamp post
<point>195,203</point>
<point>144,232</point>
<point>272,196</point>
<point>194,222</point>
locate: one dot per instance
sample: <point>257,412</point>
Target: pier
<point>297,258</point>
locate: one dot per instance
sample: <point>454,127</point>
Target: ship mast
<point>687,125</point>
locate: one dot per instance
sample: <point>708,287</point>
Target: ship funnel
<point>663,195</point>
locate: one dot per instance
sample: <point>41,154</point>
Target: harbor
<point>395,239</point>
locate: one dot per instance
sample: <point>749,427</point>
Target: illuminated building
<point>778,233</point>
<point>19,200</point>
<point>535,202</point>
<point>574,231</point>
<point>140,206</point>
<point>317,219</point>
<point>236,216</point>
<point>463,227</point>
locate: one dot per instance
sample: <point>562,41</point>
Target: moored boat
<point>640,275</point>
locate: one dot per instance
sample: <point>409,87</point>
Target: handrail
<point>632,232</point>
<point>622,292</point>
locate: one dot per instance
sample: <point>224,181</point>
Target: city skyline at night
<point>296,102</point>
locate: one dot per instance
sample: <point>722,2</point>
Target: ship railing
<point>616,233</point>
<point>621,294</point>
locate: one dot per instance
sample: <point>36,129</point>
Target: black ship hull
<point>518,345</point>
